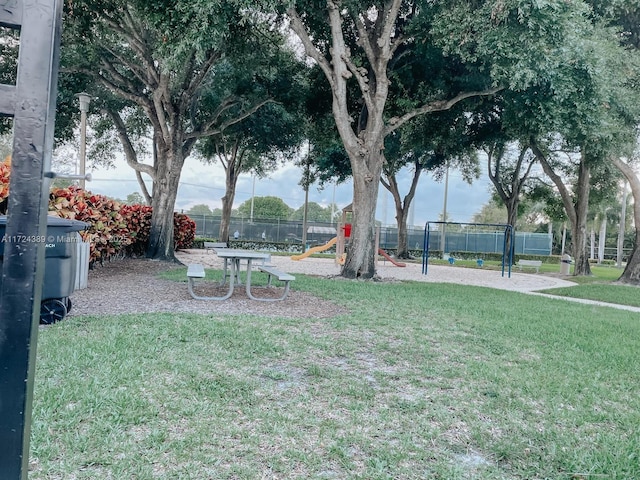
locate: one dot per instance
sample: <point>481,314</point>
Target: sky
<point>204,184</point>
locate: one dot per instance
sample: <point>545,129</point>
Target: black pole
<point>31,103</point>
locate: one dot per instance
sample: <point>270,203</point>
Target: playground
<point>340,242</point>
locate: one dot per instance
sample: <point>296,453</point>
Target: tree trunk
<point>231,160</point>
<point>577,213</point>
<point>165,190</point>
<point>225,220</point>
<point>403,237</point>
<point>579,231</point>
<point>227,207</point>
<point>402,212</point>
<point>402,208</point>
<point>602,238</point>
<point>512,219</point>
<point>512,211</point>
<point>361,257</point>
<point>631,273</point>
<point>621,228</point>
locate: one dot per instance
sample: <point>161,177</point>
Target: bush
<point>184,231</point>
<point>115,229</point>
<point>138,218</point>
<point>5,172</point>
<point>108,232</point>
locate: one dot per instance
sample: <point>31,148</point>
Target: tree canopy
<point>265,207</point>
<point>315,213</point>
<point>387,63</point>
<point>173,72</point>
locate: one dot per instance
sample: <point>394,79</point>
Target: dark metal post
<point>31,103</point>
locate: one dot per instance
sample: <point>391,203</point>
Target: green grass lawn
<point>599,286</point>
<point>420,380</point>
<point>618,294</point>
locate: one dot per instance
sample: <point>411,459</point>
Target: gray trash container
<point>565,264</point>
<point>60,265</point>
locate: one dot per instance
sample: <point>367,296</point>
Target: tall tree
<point>315,213</point>
<point>579,126</point>
<point>575,199</point>
<point>631,273</point>
<point>509,168</point>
<point>259,143</point>
<point>157,61</point>
<point>265,207</point>
<point>624,16</point>
<point>357,41</point>
<point>512,45</point>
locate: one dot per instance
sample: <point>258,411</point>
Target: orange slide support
<point>319,248</point>
<point>386,255</point>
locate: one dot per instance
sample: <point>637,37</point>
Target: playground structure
<point>388,257</point>
<point>340,241</point>
<point>319,248</point>
<point>508,242</point>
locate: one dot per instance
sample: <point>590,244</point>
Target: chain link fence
<point>318,233</point>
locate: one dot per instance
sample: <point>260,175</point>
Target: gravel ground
<point>131,286</point>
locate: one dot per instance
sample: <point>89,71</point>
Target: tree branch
<point>136,42</point>
<point>129,152</point>
<point>364,41</point>
<point>298,27</point>
<point>143,187</point>
<point>555,178</point>
<point>391,13</point>
<point>207,132</point>
<point>437,106</point>
<point>494,173</point>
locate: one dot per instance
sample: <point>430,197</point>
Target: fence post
<point>31,102</point>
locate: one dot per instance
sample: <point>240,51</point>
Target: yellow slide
<point>320,248</point>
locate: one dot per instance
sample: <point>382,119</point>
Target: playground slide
<point>386,255</point>
<point>319,248</point>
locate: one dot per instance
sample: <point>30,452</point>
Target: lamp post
<point>253,194</point>
<point>444,210</point>
<point>84,99</point>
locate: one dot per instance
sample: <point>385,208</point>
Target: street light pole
<point>253,194</point>
<point>444,211</point>
<point>84,99</point>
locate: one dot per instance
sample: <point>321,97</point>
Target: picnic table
<point>233,259</point>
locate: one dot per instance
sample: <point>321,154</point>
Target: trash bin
<point>61,244</point>
<point>565,264</point>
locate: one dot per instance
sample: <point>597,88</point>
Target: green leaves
<point>265,207</point>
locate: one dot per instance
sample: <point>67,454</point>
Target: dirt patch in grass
<point>132,285</point>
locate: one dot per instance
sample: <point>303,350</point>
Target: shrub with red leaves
<point>184,231</point>
<point>115,228</point>
<point>5,173</point>
<point>108,232</point>
<point>138,218</point>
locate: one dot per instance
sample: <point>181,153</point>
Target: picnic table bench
<point>213,245</point>
<point>272,271</point>
<point>530,264</point>
<point>232,262</point>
